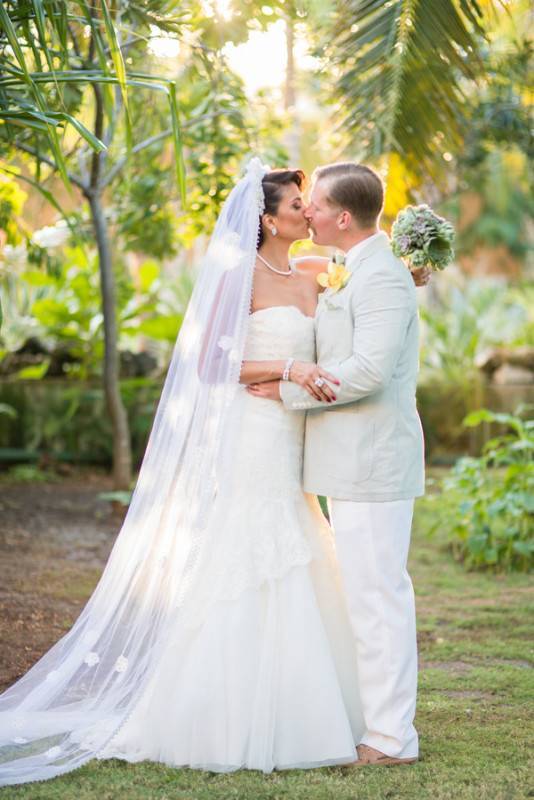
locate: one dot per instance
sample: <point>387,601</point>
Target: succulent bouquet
<point>423,238</point>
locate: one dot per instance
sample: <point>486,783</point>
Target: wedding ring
<point>319,382</point>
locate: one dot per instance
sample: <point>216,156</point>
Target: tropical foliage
<point>78,97</point>
<point>51,56</point>
<point>51,51</point>
<point>59,307</point>
<point>49,423</point>
<point>487,504</point>
<point>393,59</point>
<point>466,318</point>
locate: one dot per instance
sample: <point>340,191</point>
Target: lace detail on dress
<point>261,522</point>
<point>264,608</point>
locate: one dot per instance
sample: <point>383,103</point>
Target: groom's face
<point>321,216</point>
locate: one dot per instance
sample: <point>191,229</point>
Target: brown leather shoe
<point>368,756</point>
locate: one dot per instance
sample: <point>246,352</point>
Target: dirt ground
<point>54,541</point>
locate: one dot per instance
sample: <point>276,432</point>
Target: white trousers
<point>372,542</point>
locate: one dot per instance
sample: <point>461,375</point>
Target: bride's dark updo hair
<point>273,184</point>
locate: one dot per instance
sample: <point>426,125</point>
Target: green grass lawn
<point>475,709</point>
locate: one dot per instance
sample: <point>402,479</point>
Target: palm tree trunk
<point>293,134</point>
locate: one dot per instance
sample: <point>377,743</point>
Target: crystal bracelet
<point>287,369</point>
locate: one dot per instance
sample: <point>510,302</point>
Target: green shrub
<point>466,318</point>
<point>442,407</point>
<point>487,503</point>
<point>30,473</point>
<point>68,421</point>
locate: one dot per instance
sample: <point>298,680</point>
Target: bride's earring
<point>274,231</point>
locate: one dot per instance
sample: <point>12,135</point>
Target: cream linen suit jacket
<point>366,446</point>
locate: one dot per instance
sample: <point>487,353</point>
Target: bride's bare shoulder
<point>310,265</point>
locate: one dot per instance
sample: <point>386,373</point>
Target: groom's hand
<point>421,276</point>
<point>268,389</point>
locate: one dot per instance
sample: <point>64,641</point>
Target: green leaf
<point>34,373</point>
<point>485,415</point>
<point>164,328</point>
<point>438,248</point>
<point>523,548</point>
<point>8,411</point>
<point>120,69</point>
<point>476,417</point>
<point>51,312</point>
<point>40,22</point>
<point>124,498</point>
<point>148,273</point>
<point>178,146</point>
<point>36,278</point>
<point>465,506</point>
<point>477,543</point>
<point>7,26</point>
<point>96,143</point>
<point>101,56</point>
<point>25,120</point>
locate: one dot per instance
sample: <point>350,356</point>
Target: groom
<point>364,451</point>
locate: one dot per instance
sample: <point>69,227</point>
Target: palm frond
<point>402,68</point>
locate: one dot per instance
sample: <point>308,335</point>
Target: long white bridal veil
<point>72,702</point>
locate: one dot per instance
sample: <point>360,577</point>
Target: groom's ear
<point>344,220</point>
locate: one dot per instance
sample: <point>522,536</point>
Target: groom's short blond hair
<point>355,188</point>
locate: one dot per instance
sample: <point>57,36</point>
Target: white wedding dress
<point>259,669</point>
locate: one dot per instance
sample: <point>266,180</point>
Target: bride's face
<point>289,220</point>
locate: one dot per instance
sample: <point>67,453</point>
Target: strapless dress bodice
<point>280,332</point>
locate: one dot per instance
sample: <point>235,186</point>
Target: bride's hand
<point>306,374</point>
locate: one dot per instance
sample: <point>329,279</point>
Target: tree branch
<point>32,152</point>
<point>152,140</point>
<point>74,42</point>
<point>96,160</point>
<point>127,44</point>
<point>141,146</point>
<point>117,108</point>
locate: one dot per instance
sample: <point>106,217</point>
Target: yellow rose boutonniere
<point>337,276</point>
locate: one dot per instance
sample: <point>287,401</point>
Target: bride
<point>217,637</point>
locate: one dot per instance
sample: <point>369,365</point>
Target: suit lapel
<point>368,249</point>
<point>380,242</point>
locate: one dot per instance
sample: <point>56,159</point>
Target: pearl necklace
<point>273,269</point>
